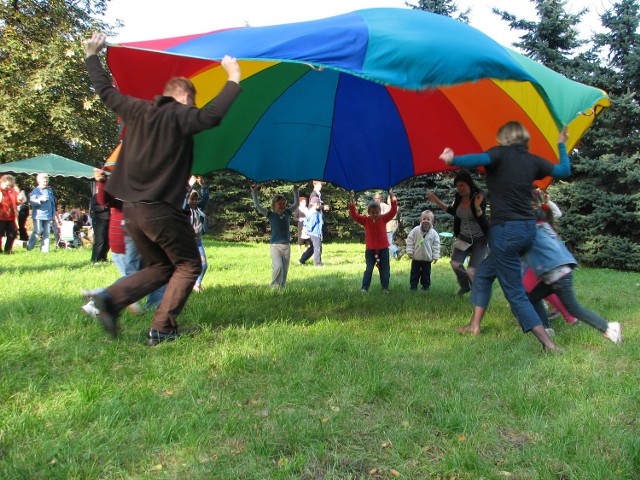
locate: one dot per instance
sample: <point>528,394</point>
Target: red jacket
<point>375,233</point>
<point>9,207</point>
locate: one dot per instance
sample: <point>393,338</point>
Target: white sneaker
<point>614,332</point>
<point>90,309</point>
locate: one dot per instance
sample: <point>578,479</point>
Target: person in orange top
<point>376,240</point>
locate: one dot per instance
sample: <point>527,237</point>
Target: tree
<point>48,105</point>
<point>552,40</point>
<point>601,222</point>
<point>448,8</point>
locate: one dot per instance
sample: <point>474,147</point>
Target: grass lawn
<point>316,381</point>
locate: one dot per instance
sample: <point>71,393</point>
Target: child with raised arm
<point>313,224</point>
<point>280,219</point>
<point>423,248</point>
<point>194,207</point>
<point>376,239</point>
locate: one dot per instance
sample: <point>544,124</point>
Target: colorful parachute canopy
<point>362,100</point>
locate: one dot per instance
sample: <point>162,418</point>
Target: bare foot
<point>469,329</point>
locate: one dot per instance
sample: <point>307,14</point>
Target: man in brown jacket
<point>150,177</point>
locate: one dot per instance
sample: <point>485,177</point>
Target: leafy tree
<point>47,103</point>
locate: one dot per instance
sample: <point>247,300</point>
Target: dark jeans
<point>383,265</point>
<point>22,221</point>
<point>8,229</point>
<point>167,244</point>
<point>100,239</point>
<point>508,241</point>
<point>420,271</point>
<point>563,288</point>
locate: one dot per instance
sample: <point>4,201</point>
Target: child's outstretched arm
<point>254,196</point>
<point>296,198</point>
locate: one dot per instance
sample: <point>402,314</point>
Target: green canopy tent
<point>54,165</point>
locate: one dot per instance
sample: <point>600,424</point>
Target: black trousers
<point>420,272</point>
<point>100,239</point>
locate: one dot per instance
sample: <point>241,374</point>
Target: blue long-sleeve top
<point>279,222</point>
<point>511,171</point>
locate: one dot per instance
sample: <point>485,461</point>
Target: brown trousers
<point>166,242</point>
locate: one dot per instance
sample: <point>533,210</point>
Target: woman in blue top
<point>510,173</point>
<point>280,219</point>
<point>43,204</point>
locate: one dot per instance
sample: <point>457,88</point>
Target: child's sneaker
<point>570,320</point>
<point>90,309</point>
<point>614,332</point>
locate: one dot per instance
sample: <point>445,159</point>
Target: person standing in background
<point>9,201</point>
<point>100,215</point>
<point>43,203</point>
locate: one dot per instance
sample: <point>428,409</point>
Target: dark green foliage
<point>47,103</point>
<point>601,199</point>
<point>447,8</point>
<point>233,217</point>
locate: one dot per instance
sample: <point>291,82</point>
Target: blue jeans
<point>315,249</point>
<point>203,260</point>
<point>508,242</point>
<point>383,265</point>
<point>41,228</point>
<point>563,288</point>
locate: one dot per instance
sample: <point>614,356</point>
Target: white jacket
<point>423,246</point>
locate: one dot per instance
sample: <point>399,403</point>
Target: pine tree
<point>602,202</point>
<point>554,39</point>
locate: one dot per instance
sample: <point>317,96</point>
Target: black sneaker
<point>463,290</point>
<point>106,313</point>
<point>154,337</point>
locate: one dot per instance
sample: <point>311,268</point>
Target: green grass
<point>317,381</point>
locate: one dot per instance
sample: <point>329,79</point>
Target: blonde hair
<point>276,199</point>
<point>42,176</point>
<point>513,133</point>
<point>9,179</point>
<point>428,213</point>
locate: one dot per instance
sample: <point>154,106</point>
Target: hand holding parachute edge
<point>564,135</point>
<point>447,156</point>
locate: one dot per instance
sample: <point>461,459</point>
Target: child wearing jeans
<point>279,218</point>
<point>552,262</point>
<point>194,208</point>
<point>313,224</point>
<point>376,239</point>
<point>423,248</point>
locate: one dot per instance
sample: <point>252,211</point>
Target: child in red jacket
<point>376,240</point>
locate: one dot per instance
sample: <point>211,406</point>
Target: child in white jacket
<point>423,248</point>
